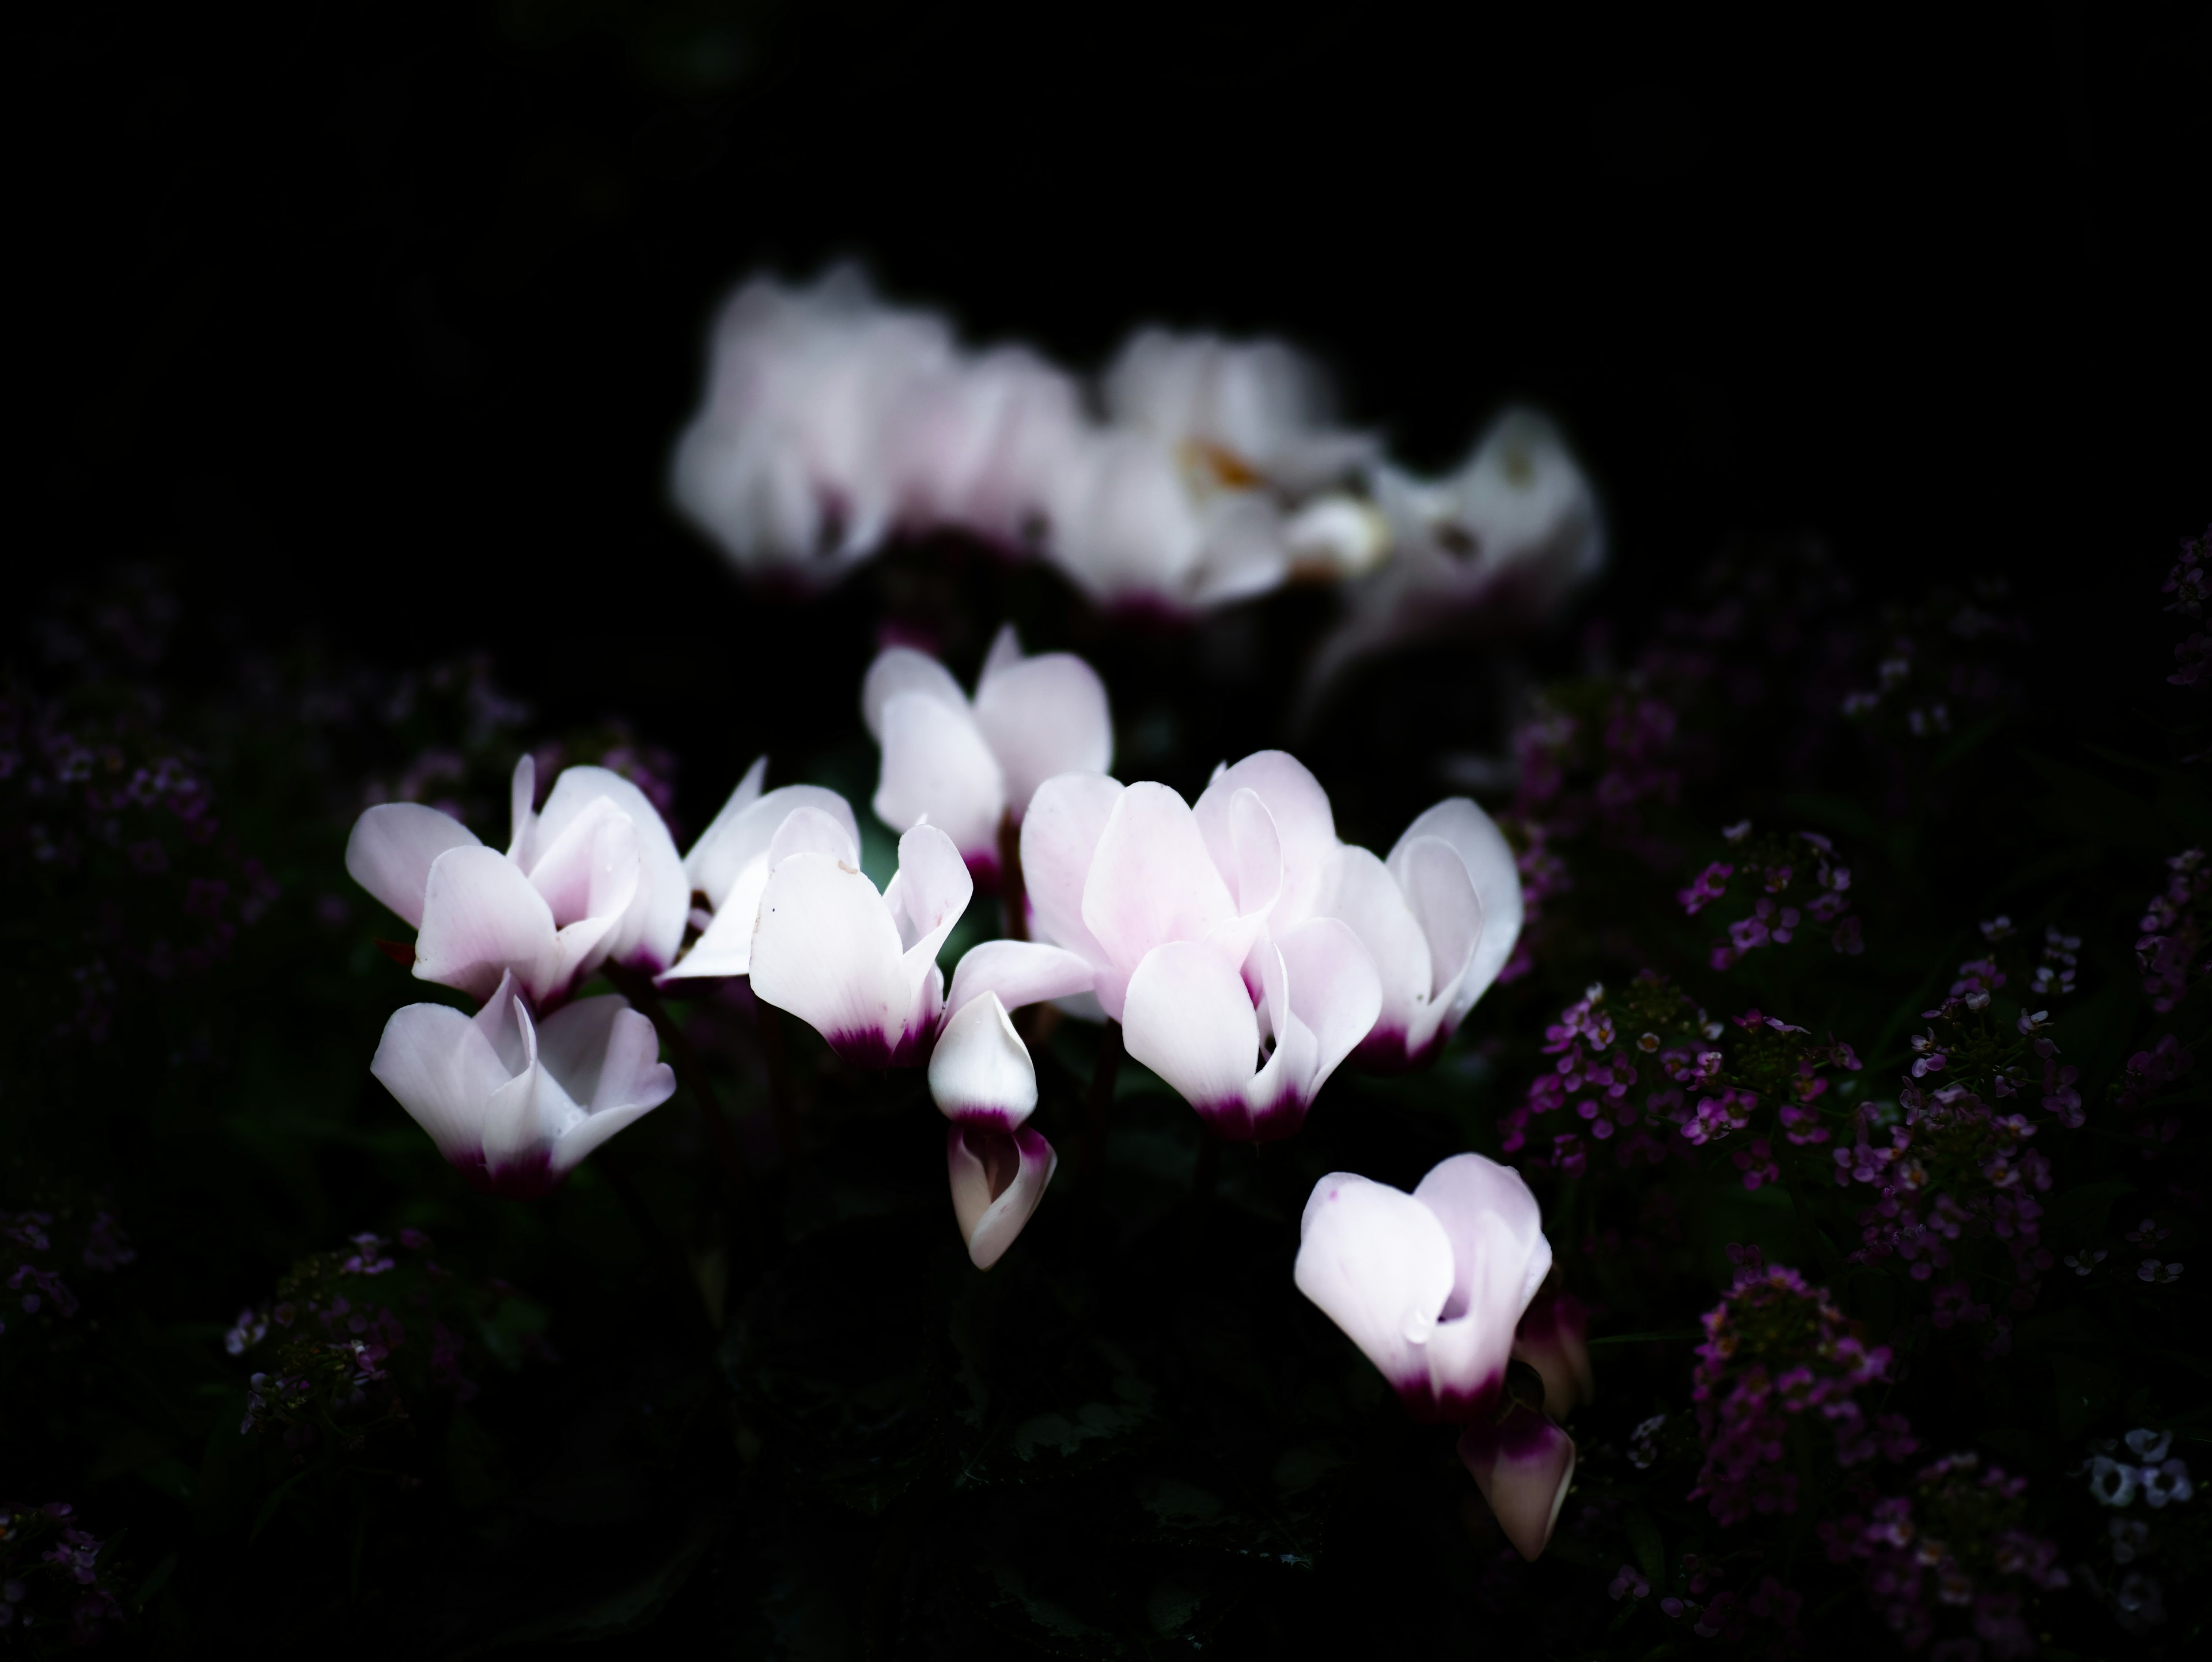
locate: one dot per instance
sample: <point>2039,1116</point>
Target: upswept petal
<point>525,1115</point>
<point>1188,1019</point>
<point>1303,819</point>
<point>1151,880</point>
<point>589,866</point>
<point>1060,837</point>
<point>442,1070</point>
<point>710,867</point>
<point>826,950</point>
<point>481,918</point>
<point>937,767</point>
<point>1362,892</point>
<point>628,1082</point>
<point>1334,991</point>
<point>903,669</point>
<point>1552,1340</point>
<point>794,819</point>
<point>652,925</point>
<point>998,1178</point>
<point>392,849</point>
<point>1523,1469</point>
<point>1043,717</point>
<point>1379,1265</point>
<point>1005,651</point>
<point>1500,1253</point>
<point>1017,972</point>
<point>1443,899</point>
<point>1496,878</point>
<point>981,1072</point>
<point>740,836</point>
<point>808,829</point>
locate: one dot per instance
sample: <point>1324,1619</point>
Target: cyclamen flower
<point>592,877</point>
<point>1551,1339</point>
<point>1431,1285</point>
<point>965,766</point>
<point>731,861</point>
<point>858,966</point>
<point>1441,916</point>
<point>1186,916</point>
<point>982,1080</point>
<point>514,1104</point>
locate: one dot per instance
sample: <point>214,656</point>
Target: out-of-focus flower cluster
<point>1196,471</point>
<point>2190,583</point>
<point>31,1264</point>
<point>55,1589</point>
<point>1957,1541</point>
<point>353,1337</point>
<point>1777,1362</point>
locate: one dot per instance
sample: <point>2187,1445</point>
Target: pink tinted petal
<point>392,849</point>
<point>1151,880</point>
<point>1302,820</point>
<point>1043,717</point>
<point>1489,864</point>
<point>651,923</point>
<point>442,1070</point>
<point>1522,1469</point>
<point>1188,1019</point>
<point>826,951</point>
<point>1500,1256</point>
<point>1551,1339</point>
<point>932,890</point>
<point>981,1072</point>
<point>937,767</point>
<point>1441,895</point>
<point>589,866</point>
<point>521,795</point>
<point>1333,989</point>
<point>1363,893</point>
<point>1379,1265</point>
<point>500,1022</point>
<point>901,669</point>
<point>481,917</point>
<point>1005,651</point>
<point>1017,972</point>
<point>525,1115</point>
<point>1060,837</point>
<point>997,1179</point>
<point>761,838</point>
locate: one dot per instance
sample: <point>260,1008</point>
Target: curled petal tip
<point>1523,1467</point>
<point>997,1179</point>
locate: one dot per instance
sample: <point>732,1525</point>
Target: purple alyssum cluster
<point>52,1575</point>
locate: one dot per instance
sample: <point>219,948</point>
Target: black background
<point>381,322</point>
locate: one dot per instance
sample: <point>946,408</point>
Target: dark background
<point>380,321</point>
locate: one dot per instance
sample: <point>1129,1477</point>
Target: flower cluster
<point>52,1580</point>
<point>360,1332</point>
<point>1777,1360</point>
<point>1956,1542</point>
<point>834,424</point>
<point>1777,871</point>
<point>2172,943</point>
<point>31,1265</point>
<point>2190,581</point>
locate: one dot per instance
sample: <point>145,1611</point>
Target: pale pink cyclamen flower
<point>983,1080</point>
<point>1441,915</point>
<point>731,861</point>
<point>1216,476</point>
<point>592,878</point>
<point>1502,541</point>
<point>1431,1285</point>
<point>964,766</point>
<point>792,465</point>
<point>514,1104</point>
<point>1174,908</point>
<point>1552,1338</point>
<point>858,966</point>
<point>976,446</point>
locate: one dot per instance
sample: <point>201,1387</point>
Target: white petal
<point>524,1115</point>
<point>1496,878</point>
<point>1379,1265</point>
<point>587,865</point>
<point>1499,1258</point>
<point>1523,1469</point>
<point>1300,809</point>
<point>521,797</point>
<point>1151,880</point>
<point>1188,1019</point>
<point>826,950</point>
<point>937,766</point>
<point>1042,717</point>
<point>1443,897</point>
<point>707,865</point>
<point>1060,837</point>
<point>810,830</point>
<point>1363,893</point>
<point>998,1178</point>
<point>443,1071</point>
<point>627,1077</point>
<point>981,1072</point>
<point>1552,1340</point>
<point>391,850</point>
<point>901,669</point>
<point>1005,651</point>
<point>736,840</point>
<point>932,889</point>
<point>480,918</point>
<point>1334,991</point>
<point>653,926</point>
<point>1017,972</point>
<point>502,1020</point>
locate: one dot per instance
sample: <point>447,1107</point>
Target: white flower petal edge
<point>981,1073</point>
<point>1431,1285</point>
<point>731,861</point>
<point>1482,849</point>
<point>1523,1468</point>
<point>997,1179</point>
<point>857,967</point>
<point>515,1106</point>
